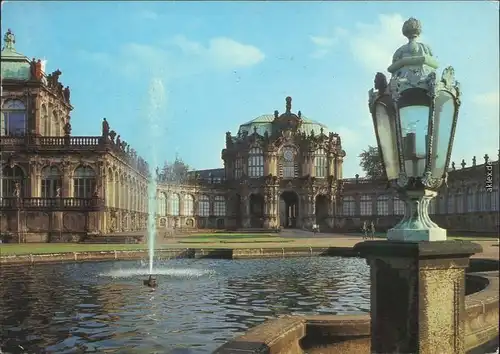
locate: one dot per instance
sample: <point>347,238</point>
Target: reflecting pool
<point>198,305</point>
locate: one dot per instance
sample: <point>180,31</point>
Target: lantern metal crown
<point>414,116</point>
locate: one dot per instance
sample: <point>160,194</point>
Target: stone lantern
<point>414,116</point>
<point>417,286</point>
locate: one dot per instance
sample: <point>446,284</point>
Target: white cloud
<point>491,99</point>
<point>180,55</point>
<point>325,44</point>
<point>323,41</point>
<point>228,53</point>
<point>223,52</point>
<point>373,45</point>
<point>147,15</point>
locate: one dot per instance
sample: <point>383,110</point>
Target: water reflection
<point>70,309</point>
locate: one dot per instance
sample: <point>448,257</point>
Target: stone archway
<point>289,209</point>
<point>321,207</point>
<point>256,210</point>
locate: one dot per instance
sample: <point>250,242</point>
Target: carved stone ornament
<point>372,97</point>
<point>402,180</point>
<point>448,77</point>
<point>84,163</point>
<point>431,82</point>
<point>65,163</point>
<point>11,161</point>
<point>431,182</point>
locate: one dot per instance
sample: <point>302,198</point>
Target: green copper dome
<point>15,66</point>
<point>264,123</point>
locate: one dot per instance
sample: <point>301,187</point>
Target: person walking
<point>364,229</point>
<point>372,229</point>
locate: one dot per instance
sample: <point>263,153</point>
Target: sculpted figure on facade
<point>17,190</point>
<point>105,128</point>
<point>67,129</point>
<point>67,94</point>
<point>112,135</point>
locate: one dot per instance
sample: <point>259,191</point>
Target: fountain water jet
<point>157,100</point>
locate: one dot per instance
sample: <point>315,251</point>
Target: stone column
<point>308,208</point>
<point>331,164</point>
<point>267,163</point>
<point>245,215</point>
<point>331,210</point>
<point>35,180</point>
<point>339,167</point>
<point>66,190</point>
<point>310,159</point>
<point>417,295</point>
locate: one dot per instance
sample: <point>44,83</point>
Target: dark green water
<point>199,304</point>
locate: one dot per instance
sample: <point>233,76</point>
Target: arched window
<point>348,206</point>
<point>471,200</point>
<point>188,205</point>
<point>398,206</point>
<point>110,193</point>
<point>432,206</point>
<point>459,200</point>
<point>162,204</point>
<point>174,204</point>
<point>84,182</point>
<point>219,206</point>
<point>11,176</point>
<point>117,190</point>
<point>481,199</point>
<point>289,168</point>
<point>494,198</point>
<point>55,124</point>
<point>255,162</point>
<point>366,206</point>
<point>203,206</point>
<point>51,182</point>
<point>45,123</point>
<point>442,204</point>
<point>450,207</point>
<point>13,118</point>
<point>383,205</point>
<point>320,163</point>
<point>238,168</point>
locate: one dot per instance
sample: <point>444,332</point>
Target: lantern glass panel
<point>386,131</point>
<point>444,112</point>
<point>414,131</point>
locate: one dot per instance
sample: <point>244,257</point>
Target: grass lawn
<point>221,235</point>
<point>255,239</point>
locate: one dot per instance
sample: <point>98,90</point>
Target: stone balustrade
<point>34,203</point>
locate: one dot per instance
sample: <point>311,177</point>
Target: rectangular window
<point>238,168</point>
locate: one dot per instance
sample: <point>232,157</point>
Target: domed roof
<point>15,66</point>
<point>264,122</point>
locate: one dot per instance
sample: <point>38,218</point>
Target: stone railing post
<point>417,295</point>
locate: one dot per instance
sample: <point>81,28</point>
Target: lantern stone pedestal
<point>415,235</point>
<point>417,295</point>
<point>416,225</point>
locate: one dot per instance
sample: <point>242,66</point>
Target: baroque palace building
<point>280,170</point>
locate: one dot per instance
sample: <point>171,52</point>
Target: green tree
<point>175,172</point>
<point>371,163</point>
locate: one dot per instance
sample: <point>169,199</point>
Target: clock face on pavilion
<point>288,155</point>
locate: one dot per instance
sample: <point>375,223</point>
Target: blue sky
<point>173,77</point>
